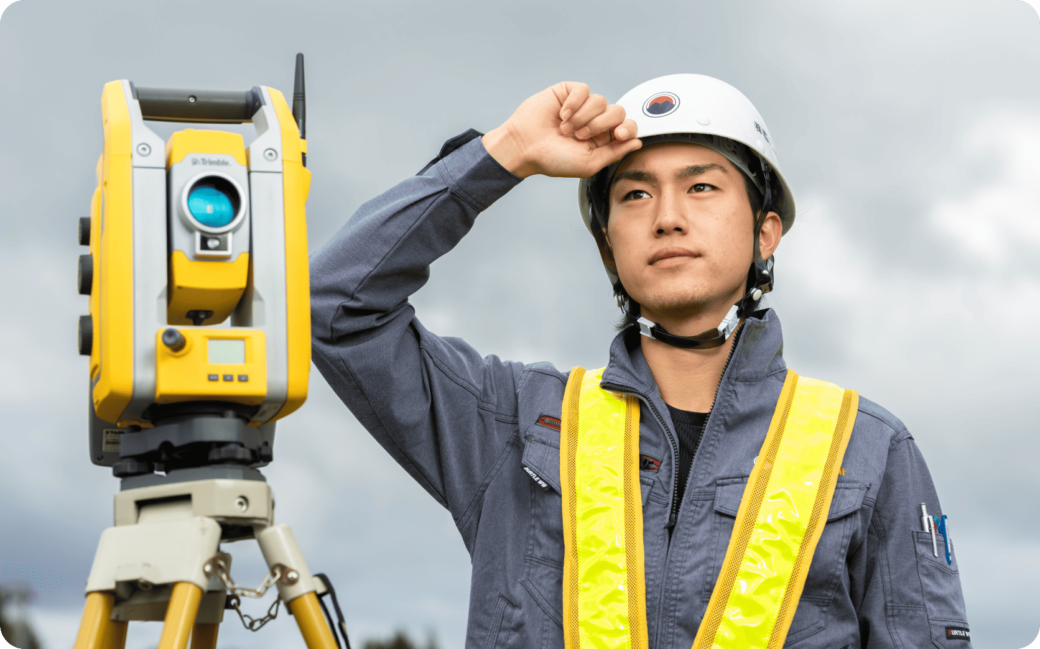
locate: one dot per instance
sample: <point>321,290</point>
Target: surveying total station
<point>199,341</point>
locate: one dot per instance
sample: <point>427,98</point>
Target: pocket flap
<point>848,498</point>
<point>541,460</point>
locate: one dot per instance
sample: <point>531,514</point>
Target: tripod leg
<point>180,615</point>
<point>118,635</point>
<point>313,627</point>
<point>279,547</point>
<point>204,636</point>
<point>96,629</point>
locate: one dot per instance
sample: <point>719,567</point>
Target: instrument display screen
<point>223,351</point>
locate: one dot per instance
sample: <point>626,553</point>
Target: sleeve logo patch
<point>957,633</point>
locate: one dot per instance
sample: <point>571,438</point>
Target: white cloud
<point>990,221</point>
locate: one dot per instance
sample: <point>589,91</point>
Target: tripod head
<point>199,325</point>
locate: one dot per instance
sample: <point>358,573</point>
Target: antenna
<point>299,102</point>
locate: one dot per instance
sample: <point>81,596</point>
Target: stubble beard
<point>680,303</point>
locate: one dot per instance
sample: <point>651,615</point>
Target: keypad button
<point>242,378</point>
<point>214,377</point>
<point>229,377</point>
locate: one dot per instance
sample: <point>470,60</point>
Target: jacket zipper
<point>704,426</point>
<point>674,514</point>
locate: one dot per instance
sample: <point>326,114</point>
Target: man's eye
<point>635,194</point>
<point>702,187</point>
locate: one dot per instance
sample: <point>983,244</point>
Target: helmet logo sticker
<point>661,104</point>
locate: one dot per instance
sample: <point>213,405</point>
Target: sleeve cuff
<point>470,172</point>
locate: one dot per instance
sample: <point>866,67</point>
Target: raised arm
<point>443,412</point>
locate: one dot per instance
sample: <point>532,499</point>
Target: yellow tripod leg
<point>313,627</point>
<point>118,635</point>
<point>96,628</point>
<point>180,615</point>
<point>204,636</point>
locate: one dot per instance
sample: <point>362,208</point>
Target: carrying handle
<point>211,106</point>
<point>216,106</point>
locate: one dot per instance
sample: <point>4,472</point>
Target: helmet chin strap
<point>761,283</point>
<point>706,340</point>
<point>760,279</point>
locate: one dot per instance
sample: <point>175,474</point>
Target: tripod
<point>162,560</point>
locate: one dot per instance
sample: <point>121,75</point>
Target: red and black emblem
<point>661,104</point>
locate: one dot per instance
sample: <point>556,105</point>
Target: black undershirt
<point>688,427</point>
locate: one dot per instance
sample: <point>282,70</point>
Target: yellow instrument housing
<point>111,229</point>
<point>186,375</point>
<point>216,286</point>
<point>192,140</point>
<point>213,285</point>
<point>296,180</point>
<point>142,284</point>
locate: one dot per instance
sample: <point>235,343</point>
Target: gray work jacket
<point>478,434</point>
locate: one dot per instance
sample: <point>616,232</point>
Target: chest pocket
<point>828,562</point>
<point>543,559</point>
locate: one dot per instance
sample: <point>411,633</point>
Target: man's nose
<point>670,215</point>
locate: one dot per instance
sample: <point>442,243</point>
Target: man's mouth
<point>669,253</point>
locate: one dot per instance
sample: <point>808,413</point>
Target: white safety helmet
<point>701,110</point>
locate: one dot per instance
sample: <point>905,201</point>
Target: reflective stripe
<point>781,517</point>
<point>778,525</point>
<point>604,597</point>
<point>569,425</point>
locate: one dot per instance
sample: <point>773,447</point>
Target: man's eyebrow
<point>696,170</point>
<point>638,176</point>
<point>685,172</point>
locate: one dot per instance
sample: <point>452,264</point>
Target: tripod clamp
<point>219,565</point>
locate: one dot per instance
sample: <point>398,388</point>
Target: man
<point>687,221</point>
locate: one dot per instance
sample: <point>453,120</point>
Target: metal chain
<point>218,565</point>
<point>251,623</point>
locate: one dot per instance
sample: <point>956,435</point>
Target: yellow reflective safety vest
<point>780,520</point>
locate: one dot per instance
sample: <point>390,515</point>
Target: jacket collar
<point>759,353</point>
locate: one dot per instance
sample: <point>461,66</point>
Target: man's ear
<point>769,234</point>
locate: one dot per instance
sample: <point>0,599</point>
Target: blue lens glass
<point>210,206</point>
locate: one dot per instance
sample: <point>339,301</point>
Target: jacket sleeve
<point>444,413</point>
<point>912,597</point>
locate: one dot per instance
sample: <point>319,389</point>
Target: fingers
<point>613,151</point>
<point>572,96</point>
<point>593,107</point>
<point>610,118</point>
<point>625,131</point>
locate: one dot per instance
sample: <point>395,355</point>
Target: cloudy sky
<point>909,130</point>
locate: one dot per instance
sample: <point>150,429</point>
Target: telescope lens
<point>213,203</point>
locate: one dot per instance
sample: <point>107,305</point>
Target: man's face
<point>681,230</point>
